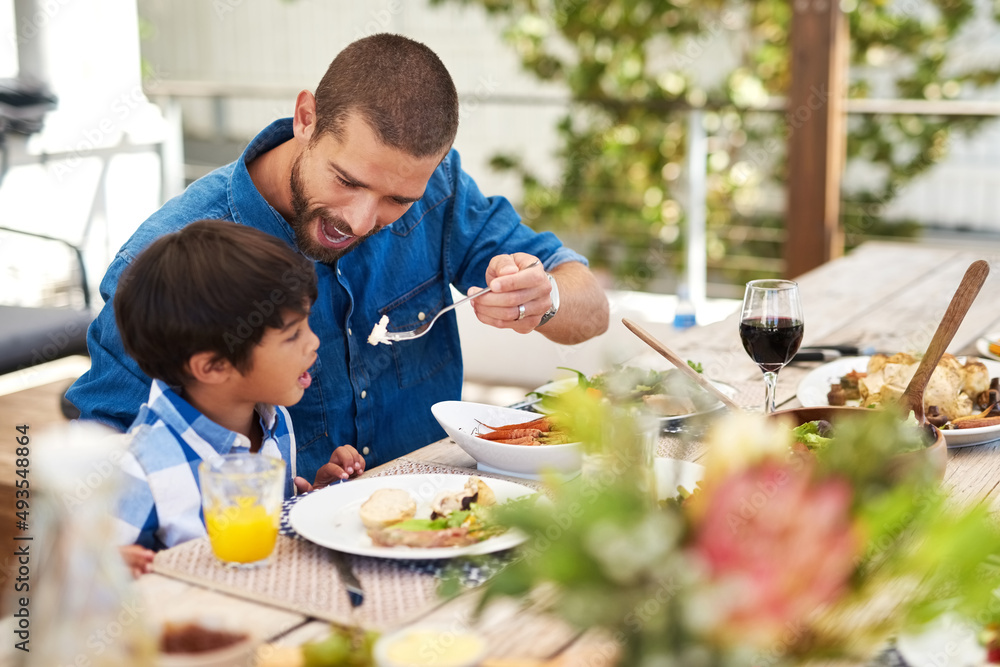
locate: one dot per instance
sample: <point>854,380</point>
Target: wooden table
<point>889,296</point>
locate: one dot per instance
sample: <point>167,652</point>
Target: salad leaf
<point>453,520</point>
<point>582,380</point>
<point>808,435</point>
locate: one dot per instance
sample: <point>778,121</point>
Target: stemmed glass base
<point>770,382</point>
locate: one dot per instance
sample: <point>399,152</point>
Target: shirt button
<point>365,451</point>
<point>349,331</point>
<point>338,272</point>
<point>421,317</point>
<point>363,393</point>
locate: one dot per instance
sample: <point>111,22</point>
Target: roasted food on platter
<point>958,395</point>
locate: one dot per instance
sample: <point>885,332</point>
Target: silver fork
<point>396,336</point>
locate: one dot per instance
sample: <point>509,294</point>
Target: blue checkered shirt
<point>160,504</point>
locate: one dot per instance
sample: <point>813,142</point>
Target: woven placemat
<point>405,466</point>
<point>300,576</point>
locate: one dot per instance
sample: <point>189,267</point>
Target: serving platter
<point>330,517</point>
<point>813,388</point>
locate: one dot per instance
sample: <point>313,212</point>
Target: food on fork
<point>378,332</point>
<point>386,507</point>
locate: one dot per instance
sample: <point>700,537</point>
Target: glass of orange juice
<point>241,496</point>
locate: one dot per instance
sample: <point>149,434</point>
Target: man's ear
<point>209,368</point>
<point>304,120</point>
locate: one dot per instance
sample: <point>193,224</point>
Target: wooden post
<point>815,119</point>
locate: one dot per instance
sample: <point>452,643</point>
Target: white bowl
<point>461,418</point>
<point>430,645</point>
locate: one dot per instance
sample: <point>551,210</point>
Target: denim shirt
<point>376,398</point>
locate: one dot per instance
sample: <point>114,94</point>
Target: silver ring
<point>520,312</point>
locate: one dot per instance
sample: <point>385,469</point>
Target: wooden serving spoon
<point>968,289</point>
<point>681,365</point>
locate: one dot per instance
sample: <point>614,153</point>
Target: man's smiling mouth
<point>332,235</point>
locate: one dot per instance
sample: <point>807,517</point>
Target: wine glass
<point>771,328</point>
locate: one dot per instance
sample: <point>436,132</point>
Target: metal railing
<point>697,263</point>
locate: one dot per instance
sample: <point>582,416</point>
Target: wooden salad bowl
<point>933,457</point>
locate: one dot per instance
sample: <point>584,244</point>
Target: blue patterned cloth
<point>160,505</point>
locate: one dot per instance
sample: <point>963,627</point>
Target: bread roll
<point>386,507</point>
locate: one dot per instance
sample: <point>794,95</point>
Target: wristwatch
<point>554,295</point>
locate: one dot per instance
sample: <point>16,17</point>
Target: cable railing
<point>697,258</point>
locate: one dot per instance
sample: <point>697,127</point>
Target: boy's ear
<point>209,368</point>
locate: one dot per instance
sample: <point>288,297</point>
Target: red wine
<point>772,342</point>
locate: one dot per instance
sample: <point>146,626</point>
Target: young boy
<point>217,314</point>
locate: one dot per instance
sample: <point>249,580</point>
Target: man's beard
<point>301,224</point>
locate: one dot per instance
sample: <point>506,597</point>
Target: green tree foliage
<point>634,67</point>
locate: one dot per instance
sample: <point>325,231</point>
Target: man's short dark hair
<point>398,86</point>
<point>213,286</point>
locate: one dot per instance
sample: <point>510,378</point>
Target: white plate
<point>982,344</point>
<point>945,642</point>
<point>671,423</point>
<point>329,517</point>
<point>814,387</point>
<point>460,419</point>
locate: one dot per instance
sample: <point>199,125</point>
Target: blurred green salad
<point>665,393</point>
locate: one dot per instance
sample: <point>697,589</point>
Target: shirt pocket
<point>309,430</point>
<point>416,360</point>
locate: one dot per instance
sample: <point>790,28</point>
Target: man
<point>363,180</point>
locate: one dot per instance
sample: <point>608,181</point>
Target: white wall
<point>291,42</point>
<point>278,42</point>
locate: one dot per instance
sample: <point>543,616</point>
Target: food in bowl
<point>534,433</point>
<point>928,451</point>
<point>666,393</point>
<point>426,646</point>
<point>194,638</point>
<point>462,419</point>
<point>196,644</point>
